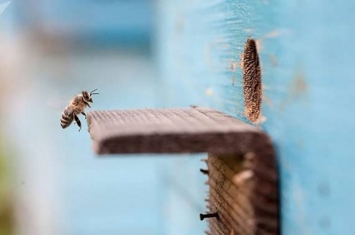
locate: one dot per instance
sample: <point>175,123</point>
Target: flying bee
<point>76,107</point>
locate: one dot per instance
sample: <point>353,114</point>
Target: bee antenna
<point>92,92</point>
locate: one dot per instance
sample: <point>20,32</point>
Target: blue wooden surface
<point>307,70</point>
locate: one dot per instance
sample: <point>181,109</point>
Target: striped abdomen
<point>67,117</point>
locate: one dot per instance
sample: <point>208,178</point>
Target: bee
<point>76,107</point>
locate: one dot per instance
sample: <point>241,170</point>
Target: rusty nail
<point>209,215</point>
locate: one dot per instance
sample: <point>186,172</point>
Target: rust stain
<point>268,101</point>
<point>299,86</point>
<point>241,64</point>
<point>234,65</point>
<point>209,92</point>
<point>273,60</point>
<point>259,44</point>
<point>272,34</point>
<point>297,90</point>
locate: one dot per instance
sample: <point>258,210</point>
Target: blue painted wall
<point>307,70</point>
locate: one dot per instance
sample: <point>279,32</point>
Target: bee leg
<point>77,120</point>
<point>83,114</point>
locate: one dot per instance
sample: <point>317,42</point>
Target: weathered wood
<point>243,189</point>
<point>190,130</point>
<point>242,170</point>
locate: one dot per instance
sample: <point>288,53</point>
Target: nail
<point>210,215</point>
<point>204,171</point>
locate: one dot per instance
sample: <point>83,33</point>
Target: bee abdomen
<point>67,117</point>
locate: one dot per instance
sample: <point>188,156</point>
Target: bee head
<point>87,96</point>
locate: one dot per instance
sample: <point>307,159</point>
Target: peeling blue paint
<point>307,61</point>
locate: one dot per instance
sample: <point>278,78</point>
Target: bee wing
<point>56,103</point>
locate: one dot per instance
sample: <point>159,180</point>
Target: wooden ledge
<point>242,168</point>
<point>178,130</point>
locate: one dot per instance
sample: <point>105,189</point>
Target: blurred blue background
<point>50,51</point>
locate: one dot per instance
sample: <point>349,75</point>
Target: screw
<point>203,171</point>
<point>210,215</point>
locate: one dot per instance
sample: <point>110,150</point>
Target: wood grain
<point>244,192</point>
<point>242,170</point>
<point>189,130</point>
